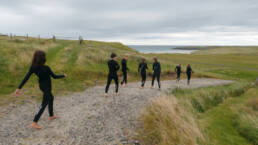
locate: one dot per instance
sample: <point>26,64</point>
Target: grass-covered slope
<point>84,64</point>
<point>222,115</point>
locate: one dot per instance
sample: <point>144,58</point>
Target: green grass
<point>225,115</point>
<point>225,125</point>
<point>203,99</point>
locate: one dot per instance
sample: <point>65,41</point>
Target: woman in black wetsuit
<point>44,74</point>
<point>125,69</point>
<point>178,72</point>
<point>189,72</point>
<point>142,69</point>
<point>156,72</point>
<point>113,67</point>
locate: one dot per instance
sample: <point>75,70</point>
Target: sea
<point>160,49</point>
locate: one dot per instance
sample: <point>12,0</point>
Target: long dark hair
<point>39,58</point>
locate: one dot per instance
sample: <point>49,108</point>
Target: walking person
<point>124,70</point>
<point>156,72</point>
<point>189,72</point>
<point>142,69</point>
<point>113,67</point>
<point>44,73</point>
<point>178,71</point>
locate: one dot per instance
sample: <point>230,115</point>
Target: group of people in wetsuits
<point>44,74</point>
<point>142,69</point>
<point>189,72</point>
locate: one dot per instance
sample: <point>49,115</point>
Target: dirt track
<point>86,118</point>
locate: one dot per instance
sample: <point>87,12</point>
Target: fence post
<point>27,36</point>
<point>80,40</point>
<point>54,38</point>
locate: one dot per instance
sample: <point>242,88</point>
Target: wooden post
<point>80,40</point>
<point>54,38</point>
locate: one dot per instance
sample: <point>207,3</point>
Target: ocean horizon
<point>161,49</point>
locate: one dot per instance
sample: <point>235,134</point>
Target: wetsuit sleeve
<point>26,78</point>
<point>127,68</point>
<point>52,74</point>
<point>139,67</point>
<point>109,65</point>
<point>117,66</point>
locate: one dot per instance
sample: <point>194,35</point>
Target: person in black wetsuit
<point>124,69</point>
<point>178,71</point>
<point>189,72</point>
<point>44,73</point>
<point>156,72</point>
<point>113,68</point>
<point>142,69</point>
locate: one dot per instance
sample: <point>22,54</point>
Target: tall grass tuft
<point>246,124</point>
<point>166,123</point>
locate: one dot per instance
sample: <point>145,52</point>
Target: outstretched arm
<point>26,78</point>
<point>52,74</point>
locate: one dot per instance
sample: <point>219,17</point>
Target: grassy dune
<point>208,116</point>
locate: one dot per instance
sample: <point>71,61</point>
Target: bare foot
<point>141,87</point>
<point>52,118</point>
<point>116,94</point>
<point>35,125</point>
<point>106,95</point>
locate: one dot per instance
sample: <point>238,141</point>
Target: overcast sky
<point>158,22</point>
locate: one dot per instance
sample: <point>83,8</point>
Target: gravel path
<point>86,118</point>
